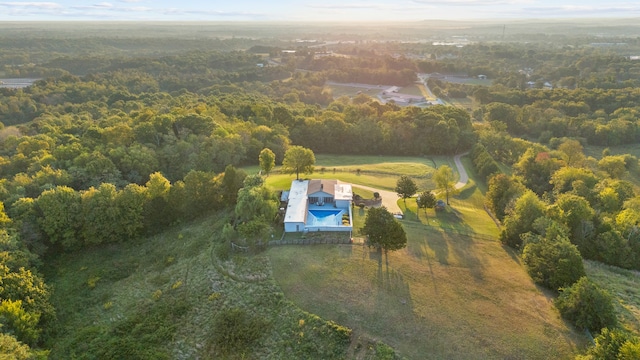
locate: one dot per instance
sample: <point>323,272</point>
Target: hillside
<point>160,298</point>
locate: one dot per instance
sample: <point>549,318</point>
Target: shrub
<point>614,344</point>
<point>384,352</point>
<point>234,331</point>
<point>587,306</point>
<point>223,251</point>
<point>16,320</point>
<point>553,263</point>
<point>93,281</point>
<point>176,285</point>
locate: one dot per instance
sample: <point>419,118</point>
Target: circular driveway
<point>390,198</point>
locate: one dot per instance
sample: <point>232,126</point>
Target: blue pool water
<point>319,214</point>
<point>324,217</point>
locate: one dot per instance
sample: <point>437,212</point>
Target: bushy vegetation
<point>613,344</point>
<point>587,306</point>
<point>485,165</point>
<point>552,260</point>
<point>123,138</point>
<point>235,332</point>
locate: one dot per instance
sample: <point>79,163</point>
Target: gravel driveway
<point>390,198</point>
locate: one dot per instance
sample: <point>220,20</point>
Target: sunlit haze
<point>313,10</point>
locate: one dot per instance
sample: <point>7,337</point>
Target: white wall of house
<point>329,228</point>
<point>293,227</point>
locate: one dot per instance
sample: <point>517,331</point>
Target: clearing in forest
<point>453,293</point>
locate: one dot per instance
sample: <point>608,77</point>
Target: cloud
<point>573,10</point>
<point>214,13</point>
<point>472,2</point>
<point>345,6</point>
<point>32,5</point>
<point>27,9</point>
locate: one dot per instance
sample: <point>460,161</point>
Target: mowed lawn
<point>624,285</point>
<point>453,293</point>
<point>381,172</point>
<point>443,297</point>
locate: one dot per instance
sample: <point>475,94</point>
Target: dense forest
<point>125,137</point>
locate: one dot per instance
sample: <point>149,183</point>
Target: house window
<point>328,200</point>
<point>313,199</point>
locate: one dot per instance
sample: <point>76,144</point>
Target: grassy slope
<point>454,292</point>
<point>444,297</point>
<point>624,285</point>
<point>157,298</point>
<point>377,171</point>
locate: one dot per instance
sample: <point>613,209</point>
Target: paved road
<point>390,198</point>
<point>464,177</point>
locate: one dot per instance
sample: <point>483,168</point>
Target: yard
<point>453,293</point>
<point>376,171</point>
<point>446,296</point>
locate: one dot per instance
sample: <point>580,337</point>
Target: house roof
<point>335,188</point>
<point>297,206</point>
<point>299,196</point>
<point>323,185</point>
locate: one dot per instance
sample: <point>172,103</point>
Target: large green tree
<point>267,160</point>
<point>445,180</point>
<point>406,188</point>
<point>60,216</point>
<point>298,160</point>
<point>575,212</point>
<point>426,200</point>
<point>521,217</point>
<point>502,191</point>
<point>383,230</point>
<point>553,262</point>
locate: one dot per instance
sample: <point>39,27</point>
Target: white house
<point>319,205</point>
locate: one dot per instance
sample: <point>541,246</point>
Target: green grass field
<point>157,298</point>
<point>469,81</point>
<point>445,296</point>
<point>352,91</point>
<point>624,285</point>
<point>411,90</point>
<point>454,293</point>
<point>596,151</point>
<point>381,172</point>
<point>466,103</point>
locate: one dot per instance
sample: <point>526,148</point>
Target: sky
<point>312,10</point>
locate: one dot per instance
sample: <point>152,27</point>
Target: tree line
<point>560,206</point>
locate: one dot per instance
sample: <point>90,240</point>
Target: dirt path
<point>464,177</point>
<point>390,198</point>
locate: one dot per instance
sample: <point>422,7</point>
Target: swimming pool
<point>324,217</point>
<point>324,213</point>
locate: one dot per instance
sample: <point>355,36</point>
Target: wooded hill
<point>112,145</point>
